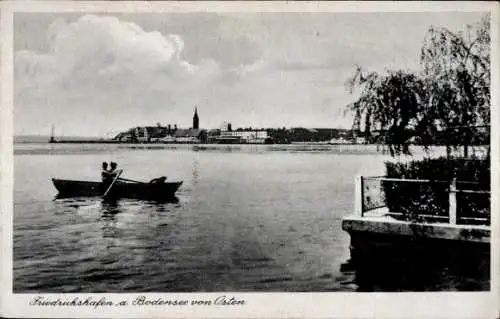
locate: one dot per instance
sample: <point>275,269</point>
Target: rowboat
<point>120,189</point>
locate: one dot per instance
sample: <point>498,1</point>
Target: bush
<point>414,199</point>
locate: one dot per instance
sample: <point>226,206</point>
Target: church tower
<point>196,120</point>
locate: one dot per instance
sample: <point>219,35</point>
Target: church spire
<point>196,120</point>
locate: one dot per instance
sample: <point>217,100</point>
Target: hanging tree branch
<point>451,91</point>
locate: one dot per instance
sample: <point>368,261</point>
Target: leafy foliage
<point>389,105</point>
<point>456,70</point>
<point>417,199</point>
<point>450,94</point>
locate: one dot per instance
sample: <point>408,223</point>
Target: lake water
<point>247,218</point>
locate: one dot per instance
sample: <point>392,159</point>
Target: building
<point>360,140</point>
<point>226,127</point>
<point>340,140</point>
<point>246,135</point>
<point>228,136</point>
<point>141,134</point>
<point>192,135</point>
<point>187,136</point>
<point>163,134</point>
<point>196,120</point>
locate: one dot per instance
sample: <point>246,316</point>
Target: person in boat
<point>108,175</point>
<point>114,171</point>
<point>105,175</point>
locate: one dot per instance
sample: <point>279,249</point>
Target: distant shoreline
<point>94,141</point>
<point>43,140</point>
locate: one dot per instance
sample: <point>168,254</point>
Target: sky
<point>97,75</point>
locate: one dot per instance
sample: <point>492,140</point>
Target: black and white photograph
<point>240,152</point>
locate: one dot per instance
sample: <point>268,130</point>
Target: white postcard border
<point>257,305</point>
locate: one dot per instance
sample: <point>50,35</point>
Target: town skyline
<point>223,126</point>
<point>95,74</point>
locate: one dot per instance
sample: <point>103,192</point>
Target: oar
<point>134,181</point>
<point>113,182</point>
<point>129,180</point>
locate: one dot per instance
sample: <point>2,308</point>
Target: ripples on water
<point>245,219</point>
<point>92,245</point>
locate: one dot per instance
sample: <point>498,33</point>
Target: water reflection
<point>163,201</point>
<point>196,176</point>
<point>109,208</point>
<point>421,271</point>
<point>65,205</point>
<point>106,209</point>
<point>62,198</point>
<point>71,199</point>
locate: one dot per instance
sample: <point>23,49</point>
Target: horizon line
<point>217,128</point>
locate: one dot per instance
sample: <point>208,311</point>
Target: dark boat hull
<point>70,188</point>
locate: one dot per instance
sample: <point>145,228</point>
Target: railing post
<point>452,213</point>
<point>358,196</point>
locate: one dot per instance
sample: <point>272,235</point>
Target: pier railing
<point>431,201</point>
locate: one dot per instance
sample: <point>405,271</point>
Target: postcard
<point>249,159</point>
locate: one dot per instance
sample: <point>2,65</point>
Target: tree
<point>389,106</point>
<point>451,94</point>
<point>456,70</point>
